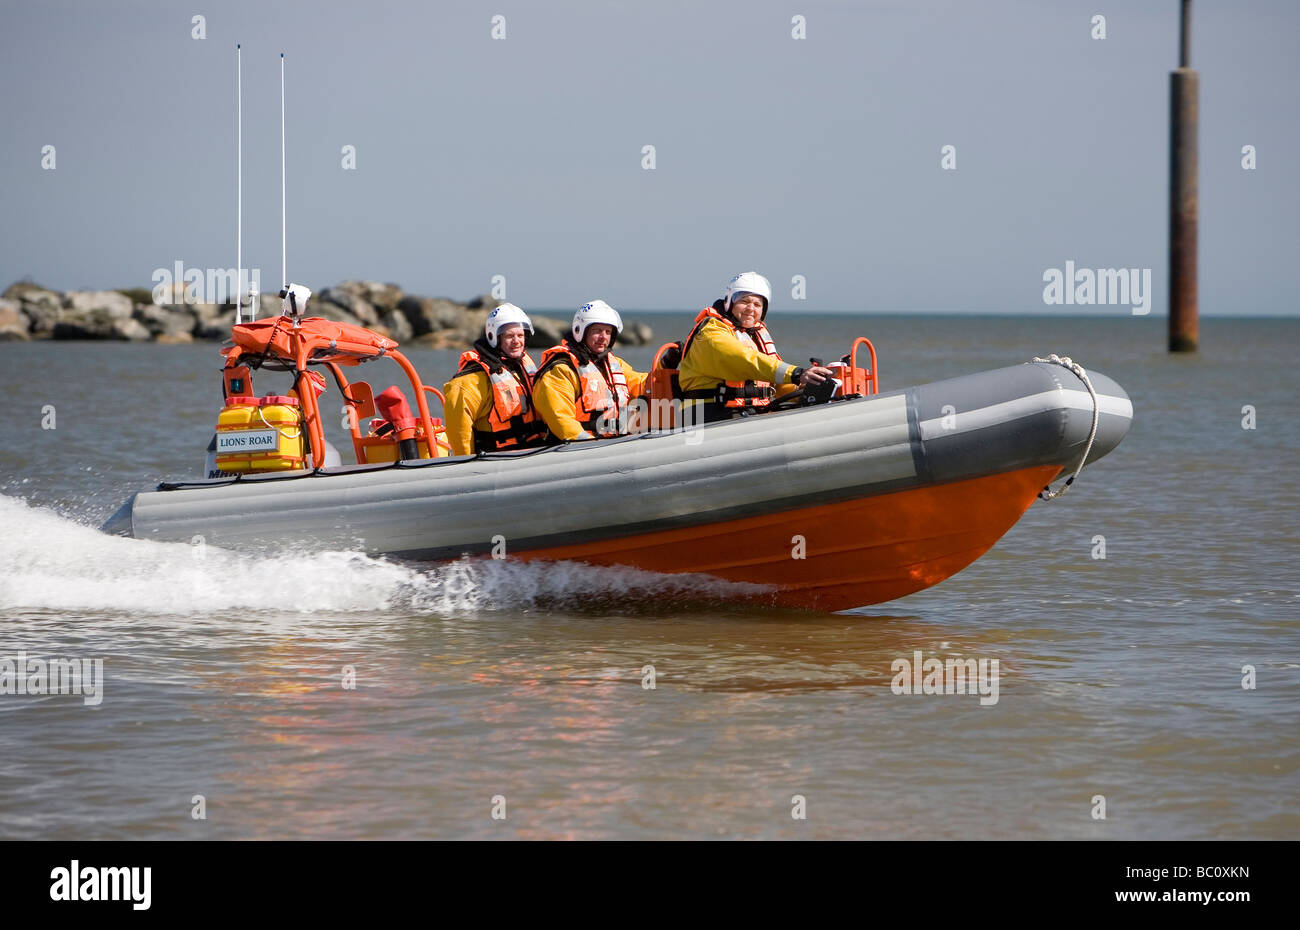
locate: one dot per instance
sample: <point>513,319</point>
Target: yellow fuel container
<point>256,434</point>
<point>385,450</point>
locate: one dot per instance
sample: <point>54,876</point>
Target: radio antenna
<point>239,186</point>
<point>284,225</point>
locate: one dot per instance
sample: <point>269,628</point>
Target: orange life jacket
<point>602,389</point>
<point>734,393</point>
<point>513,420</point>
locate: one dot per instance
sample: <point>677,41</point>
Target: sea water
<point>1144,630</point>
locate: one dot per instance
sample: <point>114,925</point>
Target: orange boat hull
<point>842,555</point>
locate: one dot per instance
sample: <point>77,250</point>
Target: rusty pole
<point>1184,328</point>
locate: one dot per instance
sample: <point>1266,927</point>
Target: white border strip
<point>984,417</point>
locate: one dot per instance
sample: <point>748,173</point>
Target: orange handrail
<point>656,362</point>
<point>442,400</point>
<point>871,380</point>
<point>354,421</point>
<point>311,348</point>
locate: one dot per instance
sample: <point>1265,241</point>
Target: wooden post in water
<point>1184,328</point>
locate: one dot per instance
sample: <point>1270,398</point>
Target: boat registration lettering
<point>262,440</point>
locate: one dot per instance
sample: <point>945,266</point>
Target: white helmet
<point>595,312</point>
<point>747,282</point>
<point>501,317</point>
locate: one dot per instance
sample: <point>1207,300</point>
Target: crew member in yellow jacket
<point>489,400</point>
<point>582,391</point>
<point>729,363</point>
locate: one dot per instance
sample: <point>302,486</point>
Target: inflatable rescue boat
<point>831,503</point>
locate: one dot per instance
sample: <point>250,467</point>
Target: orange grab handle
<point>437,393</point>
<point>873,376</point>
<point>442,400</point>
<point>656,362</point>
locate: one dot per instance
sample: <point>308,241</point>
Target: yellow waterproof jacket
<point>558,390</point>
<point>483,417</point>
<point>469,401</point>
<point>720,353</point>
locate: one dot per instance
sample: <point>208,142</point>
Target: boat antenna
<point>239,186</point>
<point>284,261</point>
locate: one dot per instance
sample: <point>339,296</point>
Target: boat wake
<point>51,562</point>
<point>472,585</point>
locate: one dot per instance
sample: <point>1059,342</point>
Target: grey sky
<point>522,157</point>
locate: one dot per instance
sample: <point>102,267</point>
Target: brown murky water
<point>222,675</point>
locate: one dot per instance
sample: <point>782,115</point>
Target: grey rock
<point>472,322</point>
<point>14,324</point>
<point>88,324</point>
<point>449,314</point>
<point>636,334</point>
<point>93,315</point>
<point>171,320</point>
<point>443,339</point>
<point>547,331</point>
<point>215,328</point>
<point>107,303</point>
<point>207,312</point>
<point>40,319</point>
<point>84,326</point>
<point>382,296</point>
<point>25,292</point>
<point>356,306</point>
<point>339,314</point>
<point>130,330</point>
<point>29,311</point>
<point>420,314</point>
<point>398,326</point>
<point>43,315</point>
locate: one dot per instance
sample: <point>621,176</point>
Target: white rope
<point>1047,493</point>
<point>271,425</point>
